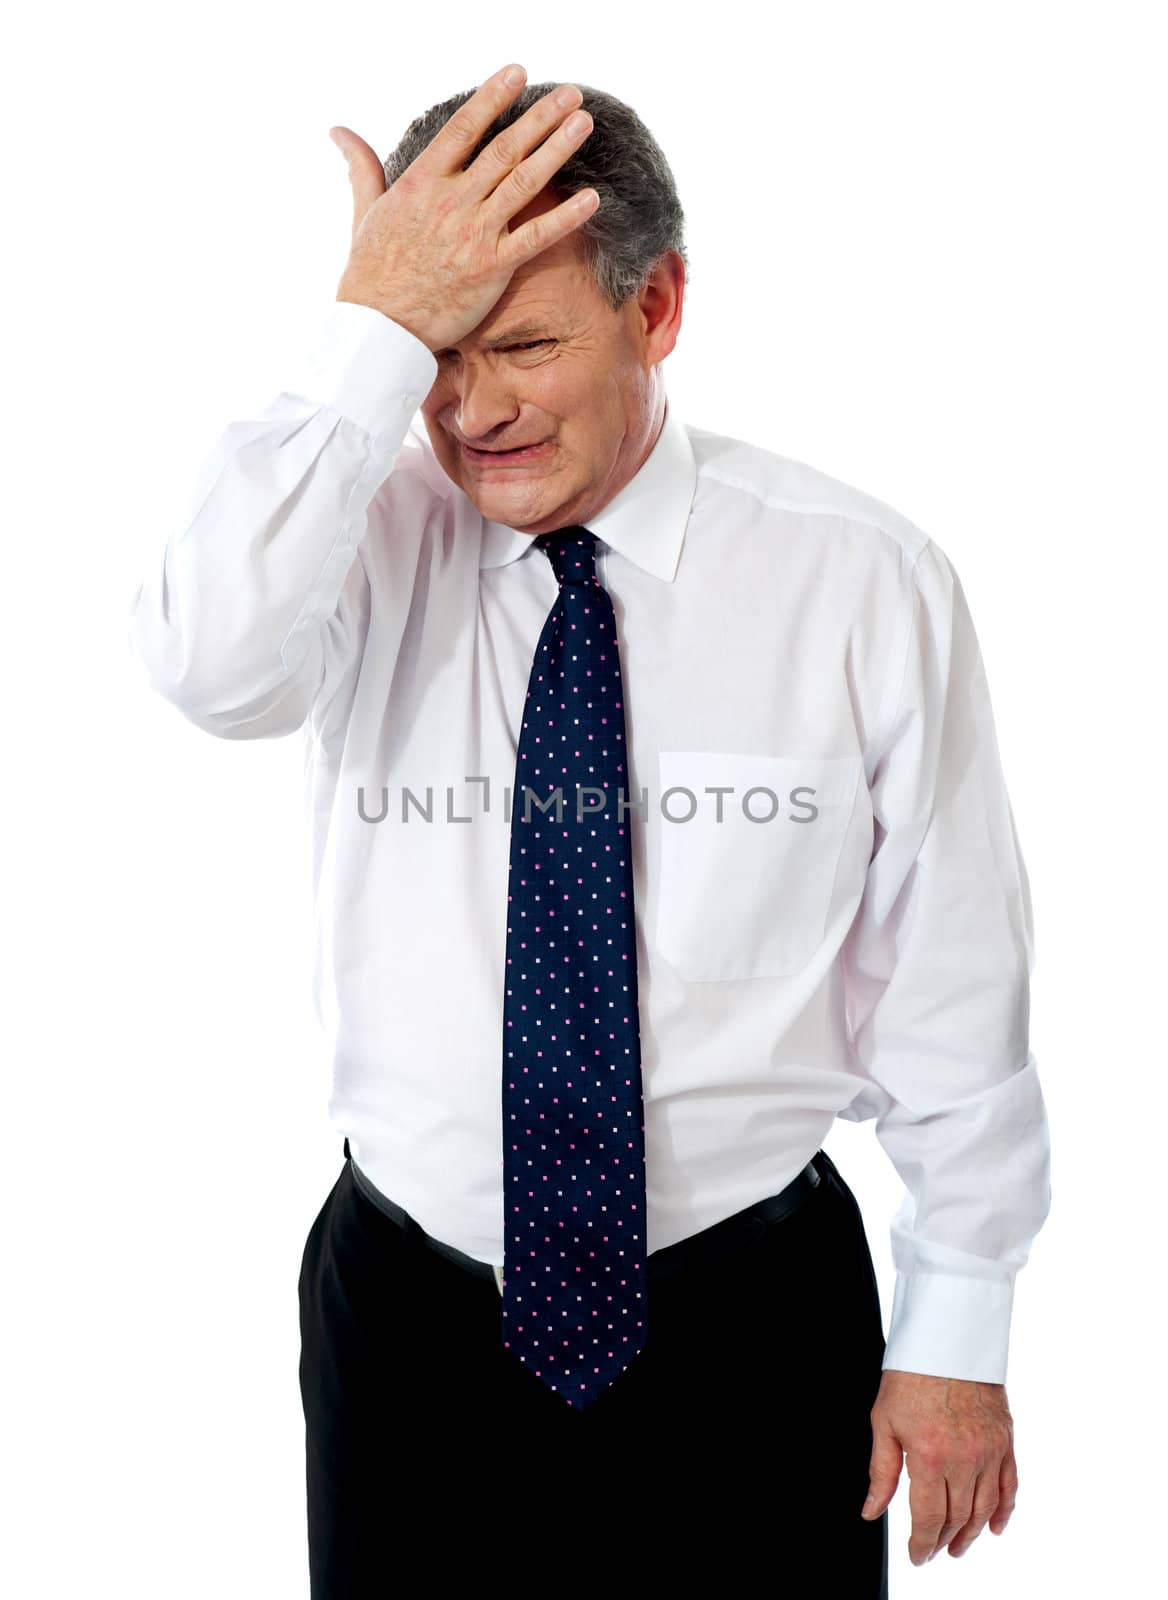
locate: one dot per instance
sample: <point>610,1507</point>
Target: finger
<point>962,1488</point>
<point>366,172</point>
<point>454,141</point>
<point>928,1505</point>
<point>948,1528</point>
<point>959,1492</point>
<point>526,180</point>
<point>500,158</point>
<point>883,1470</point>
<point>534,236</point>
<point>1007,1492</point>
<point>985,1498</point>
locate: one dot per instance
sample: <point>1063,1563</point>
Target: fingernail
<point>868,1504</point>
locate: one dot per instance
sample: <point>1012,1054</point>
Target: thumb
<point>883,1472</point>
<point>366,173</point>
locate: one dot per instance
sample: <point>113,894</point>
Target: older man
<point>587,1285</point>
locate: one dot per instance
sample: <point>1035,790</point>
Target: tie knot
<point>572,553</point>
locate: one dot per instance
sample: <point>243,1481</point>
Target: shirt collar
<point>645,522</point>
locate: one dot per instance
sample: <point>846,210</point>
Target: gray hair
<point>639,218</point>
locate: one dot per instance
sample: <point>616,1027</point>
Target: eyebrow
<point>516,335</point>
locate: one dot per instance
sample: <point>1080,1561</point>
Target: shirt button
<point>410,402</point>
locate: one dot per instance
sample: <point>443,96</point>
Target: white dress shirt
<point>852,939</point>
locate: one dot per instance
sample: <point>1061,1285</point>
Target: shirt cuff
<point>950,1326</point>
<point>366,366</point>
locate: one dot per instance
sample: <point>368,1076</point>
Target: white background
<point>926,257</point>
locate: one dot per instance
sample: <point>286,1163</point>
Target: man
<point>658,820</point>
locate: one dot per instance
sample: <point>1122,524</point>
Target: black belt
<point>712,1244</point>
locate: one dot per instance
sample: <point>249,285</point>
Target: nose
<point>487,404</point>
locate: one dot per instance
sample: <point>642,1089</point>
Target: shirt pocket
<point>748,896</point>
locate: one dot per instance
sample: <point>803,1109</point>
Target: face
<point>580,380</point>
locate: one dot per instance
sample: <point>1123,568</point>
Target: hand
<point>958,1438</point>
<point>434,252</point>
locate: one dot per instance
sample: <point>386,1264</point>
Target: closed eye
<point>532,344</point>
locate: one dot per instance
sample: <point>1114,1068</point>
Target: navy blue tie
<point>574,1264</point>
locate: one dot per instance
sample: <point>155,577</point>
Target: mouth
<point>528,452</point>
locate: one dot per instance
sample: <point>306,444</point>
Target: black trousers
<point>735,1447</point>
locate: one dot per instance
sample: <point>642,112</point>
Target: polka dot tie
<point>574,1303</point>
